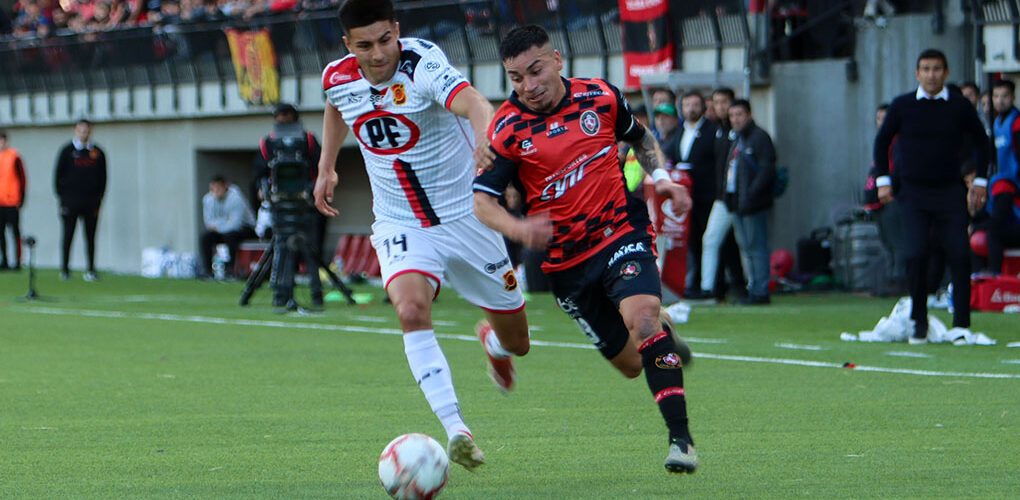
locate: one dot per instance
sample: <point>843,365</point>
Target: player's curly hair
<point>519,40</point>
<point>358,13</point>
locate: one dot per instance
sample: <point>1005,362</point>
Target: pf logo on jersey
<point>589,122</point>
<point>385,133</point>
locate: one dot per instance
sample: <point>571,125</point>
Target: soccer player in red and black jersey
<point>555,141</point>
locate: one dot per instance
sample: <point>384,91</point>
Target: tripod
<point>262,269</point>
<point>31,295</point>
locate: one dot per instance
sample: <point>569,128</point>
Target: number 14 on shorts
<point>398,243</point>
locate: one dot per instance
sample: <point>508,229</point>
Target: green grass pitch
<point>135,388</point>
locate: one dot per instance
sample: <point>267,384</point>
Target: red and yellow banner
<point>258,77</point>
<point>647,47</point>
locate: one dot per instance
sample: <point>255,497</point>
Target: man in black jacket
<point>719,251</point>
<point>693,150</point>
<point>930,126</point>
<point>749,186</point>
<point>80,182</point>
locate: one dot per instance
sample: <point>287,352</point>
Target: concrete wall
<point>161,158</point>
<point>158,172</point>
<point>824,125</point>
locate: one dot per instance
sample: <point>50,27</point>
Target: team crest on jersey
<point>589,122</point>
<point>668,361</point>
<point>510,281</point>
<point>385,133</point>
<point>399,95</point>
<point>630,270</point>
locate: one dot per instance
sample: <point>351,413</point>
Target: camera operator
<point>284,172</point>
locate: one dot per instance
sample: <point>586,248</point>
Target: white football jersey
<point>417,152</point>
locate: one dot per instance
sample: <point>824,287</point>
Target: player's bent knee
<point>413,315</point>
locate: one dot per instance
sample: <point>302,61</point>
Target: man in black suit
<point>693,149</point>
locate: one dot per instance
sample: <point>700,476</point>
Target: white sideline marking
<point>471,338</point>
<point>1011,361</point>
<point>370,319</point>
<point>908,354</point>
<point>799,346</point>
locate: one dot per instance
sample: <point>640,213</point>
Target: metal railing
<point>469,32</point>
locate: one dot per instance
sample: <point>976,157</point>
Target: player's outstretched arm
<point>653,162</point>
<point>471,104</point>
<point>533,231</point>
<point>334,131</point>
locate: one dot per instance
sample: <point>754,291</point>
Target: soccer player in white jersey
<point>406,106</point>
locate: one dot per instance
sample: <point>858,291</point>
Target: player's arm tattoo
<point>648,153</point>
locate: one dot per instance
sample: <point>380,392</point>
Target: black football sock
<point>664,373</point>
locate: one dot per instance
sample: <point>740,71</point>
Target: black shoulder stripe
<point>408,62</point>
<point>603,109</point>
<point>509,141</point>
<point>538,128</point>
<point>569,117</point>
<point>585,104</point>
<point>520,126</point>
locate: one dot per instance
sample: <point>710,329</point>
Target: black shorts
<point>591,292</point>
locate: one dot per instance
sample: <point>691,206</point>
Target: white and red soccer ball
<point>413,467</point>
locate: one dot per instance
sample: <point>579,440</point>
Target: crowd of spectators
<point>45,18</point>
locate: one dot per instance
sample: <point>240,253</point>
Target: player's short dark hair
<point>933,54</point>
<point>693,93</point>
<point>358,13</point>
<point>1005,83</point>
<point>519,40</point>
<point>882,107</point>
<point>741,103</point>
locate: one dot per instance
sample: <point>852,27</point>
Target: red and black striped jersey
<point>565,164</point>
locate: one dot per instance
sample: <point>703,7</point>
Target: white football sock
<point>432,372</point>
<point>494,348</point>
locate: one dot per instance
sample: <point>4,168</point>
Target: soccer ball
<point>413,467</point>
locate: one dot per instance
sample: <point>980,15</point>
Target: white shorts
<point>466,253</point>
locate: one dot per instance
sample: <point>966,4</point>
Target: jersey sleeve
<point>495,180</point>
<point>627,127</point>
<point>440,80</point>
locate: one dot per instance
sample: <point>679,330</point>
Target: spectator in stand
<point>719,243</point>
<point>710,110</point>
<point>1002,212</point>
<point>228,219</point>
<point>888,217</point>
<point>660,97</point>
<point>5,22</point>
<point>666,121</point>
<point>750,181</point>
<point>29,20</point>
<point>693,150</point>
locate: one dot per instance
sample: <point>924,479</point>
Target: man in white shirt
<point>693,150</point>
<point>228,219</point>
